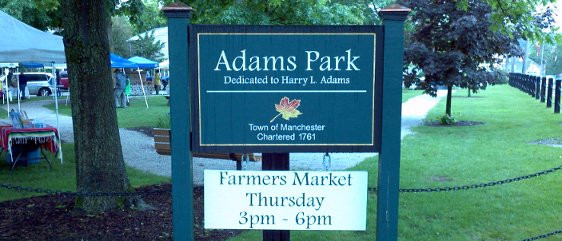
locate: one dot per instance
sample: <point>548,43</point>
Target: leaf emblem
<point>286,109</point>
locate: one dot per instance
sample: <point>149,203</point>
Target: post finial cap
<point>177,9</point>
<point>395,11</point>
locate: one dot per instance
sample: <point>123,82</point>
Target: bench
<point>163,147</point>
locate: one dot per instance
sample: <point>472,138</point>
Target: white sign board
<point>285,200</point>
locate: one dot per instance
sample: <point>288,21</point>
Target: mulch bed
<point>52,218</point>
<point>458,123</point>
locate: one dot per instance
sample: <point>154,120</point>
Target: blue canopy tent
<point>144,63</point>
<point>30,65</point>
<point>120,62</point>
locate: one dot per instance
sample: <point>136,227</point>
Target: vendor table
<point>46,138</point>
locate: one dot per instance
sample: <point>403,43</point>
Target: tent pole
<point>142,87</point>
<point>19,94</point>
<point>57,108</point>
<point>8,93</point>
<point>6,75</point>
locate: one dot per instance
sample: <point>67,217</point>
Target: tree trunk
<point>99,158</point>
<point>468,91</point>
<point>449,96</point>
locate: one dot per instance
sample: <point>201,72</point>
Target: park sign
<point>285,88</point>
<point>285,200</point>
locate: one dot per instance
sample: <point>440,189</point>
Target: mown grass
<point>136,115</point>
<point>61,177</point>
<point>408,94</point>
<point>447,156</point>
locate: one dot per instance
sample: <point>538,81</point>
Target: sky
<point>558,5</point>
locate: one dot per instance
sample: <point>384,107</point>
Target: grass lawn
<point>136,115</point>
<point>61,177</point>
<point>408,94</point>
<point>448,156</point>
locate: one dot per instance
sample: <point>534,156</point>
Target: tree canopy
<point>147,46</point>
<point>42,14</point>
<point>551,55</point>
<point>281,12</point>
<point>451,46</point>
<point>524,19</point>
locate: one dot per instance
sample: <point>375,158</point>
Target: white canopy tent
<point>23,43</point>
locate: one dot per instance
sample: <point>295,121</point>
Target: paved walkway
<point>139,148</point>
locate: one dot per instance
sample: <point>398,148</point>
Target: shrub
<point>163,121</point>
<point>447,120</point>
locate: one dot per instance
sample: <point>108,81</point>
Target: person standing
<point>12,84</point>
<point>23,85</point>
<point>157,81</point>
<point>127,91</point>
<point>119,91</point>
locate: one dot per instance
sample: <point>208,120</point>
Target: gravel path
<point>139,148</point>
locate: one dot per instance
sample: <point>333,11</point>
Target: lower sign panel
<point>285,200</point>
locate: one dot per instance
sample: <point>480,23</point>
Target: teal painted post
<point>275,162</point>
<point>178,15</point>
<point>389,156</point>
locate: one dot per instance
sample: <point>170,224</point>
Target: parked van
<point>40,84</point>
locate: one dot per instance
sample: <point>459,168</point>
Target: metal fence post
<point>543,89</point>
<point>549,93</point>
<point>537,87</point>
<point>557,96</point>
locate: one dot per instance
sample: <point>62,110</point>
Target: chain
<point>544,235</point>
<point>327,163</point>
<point>80,194</point>
<point>475,186</point>
<point>245,161</point>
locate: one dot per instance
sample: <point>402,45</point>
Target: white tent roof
<point>23,43</point>
<point>164,64</point>
<point>160,34</point>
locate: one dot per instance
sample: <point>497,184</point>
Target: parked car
<point>40,84</point>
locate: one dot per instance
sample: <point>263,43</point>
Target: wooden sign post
<point>282,89</point>
<point>182,167</point>
<point>389,155</point>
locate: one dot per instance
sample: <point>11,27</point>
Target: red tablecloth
<point>47,137</point>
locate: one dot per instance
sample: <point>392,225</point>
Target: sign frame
<point>195,30</point>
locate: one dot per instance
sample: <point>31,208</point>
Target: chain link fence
<point>371,189</point>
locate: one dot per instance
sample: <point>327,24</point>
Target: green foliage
<point>164,121</point>
<point>44,14</point>
<point>447,120</point>
<point>552,57</point>
<point>143,15</point>
<point>281,12</point>
<point>521,19</point>
<point>121,31</point>
<point>453,47</point>
<point>147,46</point>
